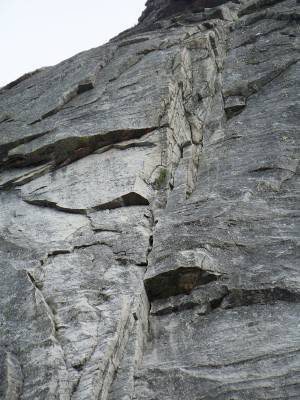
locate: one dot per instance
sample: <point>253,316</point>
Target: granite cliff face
<point>149,214</point>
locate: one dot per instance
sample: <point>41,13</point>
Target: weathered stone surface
<point>149,212</point>
<point>11,377</point>
<point>228,354</point>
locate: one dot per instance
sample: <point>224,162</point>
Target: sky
<point>39,33</point>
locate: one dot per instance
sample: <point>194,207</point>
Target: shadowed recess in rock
<point>65,151</point>
<point>174,282</point>
<point>129,199</point>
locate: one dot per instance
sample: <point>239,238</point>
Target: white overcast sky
<point>38,33</point>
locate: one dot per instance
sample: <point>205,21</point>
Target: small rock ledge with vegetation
<point>149,212</point>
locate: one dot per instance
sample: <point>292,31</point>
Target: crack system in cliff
<point>179,288</point>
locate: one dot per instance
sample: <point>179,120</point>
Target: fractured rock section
<point>82,186</point>
<point>149,222</point>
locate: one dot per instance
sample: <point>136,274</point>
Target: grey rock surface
<point>149,212</point>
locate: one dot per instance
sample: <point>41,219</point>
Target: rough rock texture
<point>149,244</point>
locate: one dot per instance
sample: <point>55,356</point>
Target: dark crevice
<point>234,105</point>
<point>128,200</point>
<point>52,204</point>
<point>127,86</point>
<point>25,178</point>
<point>214,45</point>
<point>55,253</point>
<point>264,169</point>
<point>47,114</point>
<point>149,249</point>
<point>124,261</point>
<point>226,299</point>
<point>216,303</point>
<point>233,111</point>
<point>178,281</point>
<point>65,151</point>
<point>5,148</point>
<point>150,243</point>
<point>205,299</point>
<point>248,297</point>
<point>175,309</point>
<point>4,117</point>
<point>31,278</point>
<point>34,282</point>
<point>78,367</point>
<point>142,264</point>
<point>84,87</point>
<point>99,230</point>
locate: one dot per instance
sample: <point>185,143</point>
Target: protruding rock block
<point>180,273</point>
<point>82,186</point>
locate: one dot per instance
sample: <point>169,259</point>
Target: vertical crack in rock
<point>50,314</point>
<point>122,383</point>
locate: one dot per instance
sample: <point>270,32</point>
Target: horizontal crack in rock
<point>248,297</point>
<point>128,200</point>
<point>65,151</point>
